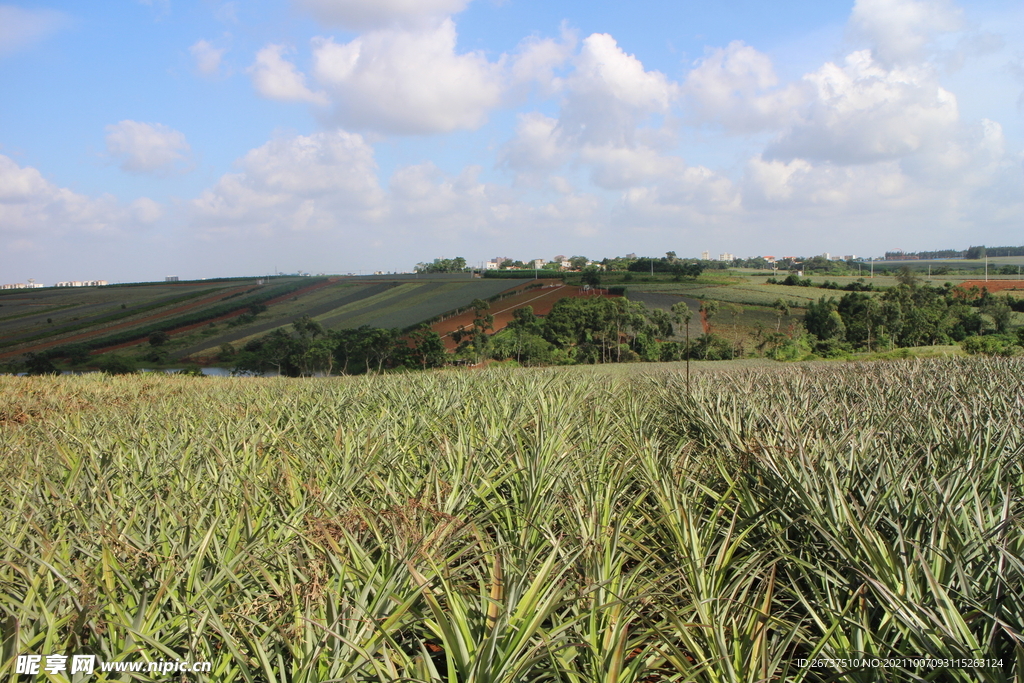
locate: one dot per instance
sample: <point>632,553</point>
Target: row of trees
<point>589,330</point>
<point>443,265</point>
<point>310,350</point>
<point>577,330</point>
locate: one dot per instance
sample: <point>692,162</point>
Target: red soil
<point>993,285</point>
<point>540,299</point>
<point>132,323</point>
<point>184,308</point>
<point>226,316</point>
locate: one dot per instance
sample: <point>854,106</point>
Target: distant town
<point>563,263</point>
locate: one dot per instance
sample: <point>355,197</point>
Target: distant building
<point>705,256</point>
<point>81,283</point>
<point>31,284</point>
<point>538,263</point>
<point>725,256</point>
<point>827,256</point>
<point>171,278</point>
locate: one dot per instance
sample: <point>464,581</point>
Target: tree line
<point>909,314</point>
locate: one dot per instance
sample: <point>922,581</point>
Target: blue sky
<point>140,139</point>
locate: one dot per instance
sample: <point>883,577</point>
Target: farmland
<point>523,525</point>
<point>540,298</point>
<point>200,317</point>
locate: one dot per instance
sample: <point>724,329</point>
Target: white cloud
<point>20,28</point>
<point>900,30</point>
<point>32,207</point>
<point>310,182</point>
<point>144,210</point>
<point>609,94</point>
<point>736,87</point>
<point>146,147</point>
<point>863,112</point>
<point>207,57</point>
<point>536,145</point>
<point>374,14</point>
<point>408,81</point>
<point>537,58</point>
<point>277,79</point>
<point>608,99</point>
<point>614,167</point>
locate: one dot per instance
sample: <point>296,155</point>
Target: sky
<point>141,139</point>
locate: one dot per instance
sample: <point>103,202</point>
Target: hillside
<point>201,316</point>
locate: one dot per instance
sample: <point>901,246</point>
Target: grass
<point>522,525</point>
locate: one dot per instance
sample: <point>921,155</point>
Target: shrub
<point>114,364</point>
<point>993,345</point>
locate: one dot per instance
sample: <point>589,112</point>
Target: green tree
<point>427,348</point>
<point>781,310</point>
<point>578,262</point>
<point>40,364</point>
<point>822,319</point>
<point>113,364</point>
<point>442,265</point>
<point>318,356</point>
<point>159,338</point>
<point>1000,312</point>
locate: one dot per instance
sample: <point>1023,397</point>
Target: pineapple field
<point>836,522</point>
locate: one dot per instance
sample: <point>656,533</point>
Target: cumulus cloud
<point>146,147</point>
<point>536,146</point>
<point>608,98</point>
<point>736,87</point>
<point>408,81</point>
<point>900,30</point>
<point>20,28</point>
<point>32,208</point>
<point>277,79</point>
<point>536,60</point>
<point>613,167</point>
<point>609,93</point>
<point>375,14</point>
<point>863,112</point>
<point>207,57</point>
<point>299,183</point>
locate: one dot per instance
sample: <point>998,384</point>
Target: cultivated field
<point>200,317</point>
<point>507,526</point>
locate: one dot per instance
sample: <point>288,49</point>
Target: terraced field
<point>539,299</point>
<point>353,302</point>
<point>120,318</point>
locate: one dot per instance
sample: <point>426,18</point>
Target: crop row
<point>202,315</point>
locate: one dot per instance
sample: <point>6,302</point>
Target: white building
<point>31,284</point>
<point>81,283</point>
<point>725,256</point>
<point>705,256</point>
